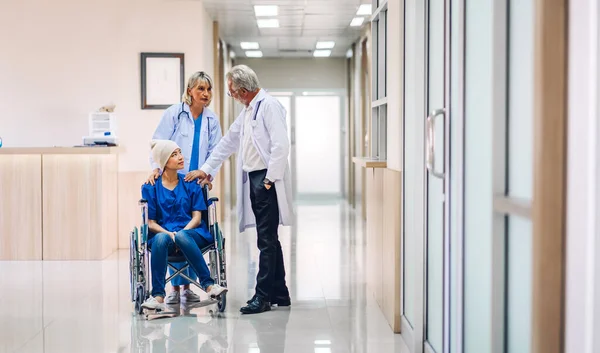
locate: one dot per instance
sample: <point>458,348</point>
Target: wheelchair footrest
<point>155,314</point>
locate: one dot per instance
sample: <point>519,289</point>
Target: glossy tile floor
<point>79,306</point>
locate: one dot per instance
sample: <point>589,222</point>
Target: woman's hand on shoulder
<point>153,176</point>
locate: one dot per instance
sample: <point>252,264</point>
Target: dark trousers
<point>270,281</point>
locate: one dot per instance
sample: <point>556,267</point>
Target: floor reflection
<point>66,307</point>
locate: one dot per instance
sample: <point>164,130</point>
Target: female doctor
<point>196,129</point>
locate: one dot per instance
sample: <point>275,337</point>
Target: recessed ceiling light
<point>325,45</point>
<point>349,53</point>
<point>249,45</point>
<point>254,54</point>
<point>357,21</point>
<point>364,10</point>
<point>268,23</point>
<point>321,53</point>
<point>232,54</point>
<point>265,10</point>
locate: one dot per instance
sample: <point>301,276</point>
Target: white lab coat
<point>270,137</point>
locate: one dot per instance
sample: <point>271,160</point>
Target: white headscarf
<point>162,150</point>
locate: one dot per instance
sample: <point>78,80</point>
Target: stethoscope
<point>253,123</point>
<point>256,113</point>
<point>187,116</point>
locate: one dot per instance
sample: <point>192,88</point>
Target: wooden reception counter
<point>58,203</point>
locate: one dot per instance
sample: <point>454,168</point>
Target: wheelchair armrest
<point>213,199</point>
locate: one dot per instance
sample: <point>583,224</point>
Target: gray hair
<point>243,77</point>
<point>194,80</point>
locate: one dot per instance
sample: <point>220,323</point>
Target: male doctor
<point>264,189</point>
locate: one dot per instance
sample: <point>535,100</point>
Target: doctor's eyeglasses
<point>230,93</point>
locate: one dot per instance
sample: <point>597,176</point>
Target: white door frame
<point>413,334</point>
<point>582,320</point>
<point>293,93</point>
<point>446,106</point>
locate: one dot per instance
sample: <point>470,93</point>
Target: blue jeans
<point>191,244</point>
<point>162,245</point>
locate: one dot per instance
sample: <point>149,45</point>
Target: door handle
<point>430,142</point>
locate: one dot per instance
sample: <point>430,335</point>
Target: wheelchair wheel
<point>222,302</point>
<point>132,274</point>
<point>139,300</point>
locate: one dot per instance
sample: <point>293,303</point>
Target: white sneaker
<point>173,298</point>
<point>153,304</point>
<point>190,296</point>
<point>216,290</point>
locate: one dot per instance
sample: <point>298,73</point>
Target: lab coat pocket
<point>258,131</point>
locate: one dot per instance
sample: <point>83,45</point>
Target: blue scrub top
<point>172,209</point>
<point>196,144</point>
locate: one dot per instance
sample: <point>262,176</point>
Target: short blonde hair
<point>193,81</point>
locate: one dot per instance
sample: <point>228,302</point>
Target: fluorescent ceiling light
<point>325,45</point>
<point>317,93</point>
<point>357,21</point>
<point>265,10</point>
<point>254,54</point>
<point>249,45</point>
<point>268,23</point>
<point>364,10</point>
<point>322,53</point>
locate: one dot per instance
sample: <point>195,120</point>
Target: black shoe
<point>251,299</point>
<point>281,301</point>
<point>258,305</point>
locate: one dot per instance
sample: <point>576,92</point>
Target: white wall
<point>583,272</point>
<point>311,73</point>
<point>62,59</point>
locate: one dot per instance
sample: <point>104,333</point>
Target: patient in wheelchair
<point>175,223</point>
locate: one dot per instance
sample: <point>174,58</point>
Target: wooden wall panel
<point>20,207</point>
<point>130,192</point>
<point>79,206</point>
<point>391,249</point>
<point>374,210</point>
<point>548,207</point>
<point>384,224</point>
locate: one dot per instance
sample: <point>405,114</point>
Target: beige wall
<point>62,59</point>
<point>311,73</point>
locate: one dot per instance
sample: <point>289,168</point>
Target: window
<point>378,125</point>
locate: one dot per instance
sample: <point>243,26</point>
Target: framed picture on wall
<point>162,79</point>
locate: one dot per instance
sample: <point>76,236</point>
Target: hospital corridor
<point>310,176</point>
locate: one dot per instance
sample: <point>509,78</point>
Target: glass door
<point>436,142</point>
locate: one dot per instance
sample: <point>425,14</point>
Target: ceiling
<point>302,24</point>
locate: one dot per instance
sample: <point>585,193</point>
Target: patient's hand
<point>152,178</point>
<point>193,175</point>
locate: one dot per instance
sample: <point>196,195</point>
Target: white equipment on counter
<point>102,129</point>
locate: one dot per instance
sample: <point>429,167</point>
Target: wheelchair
<point>139,260</point>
